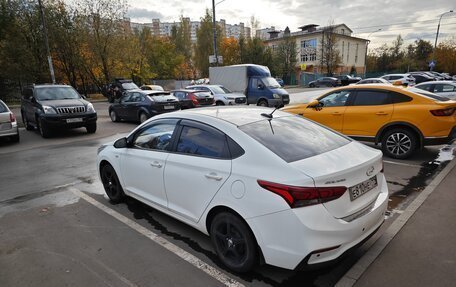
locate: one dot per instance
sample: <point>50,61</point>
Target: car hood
<point>65,103</point>
<point>279,91</point>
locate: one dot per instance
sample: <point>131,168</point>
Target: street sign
<point>432,64</point>
<point>303,67</point>
<point>212,59</point>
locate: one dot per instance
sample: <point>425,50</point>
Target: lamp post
<point>46,41</point>
<point>214,27</point>
<point>431,66</point>
<point>367,45</point>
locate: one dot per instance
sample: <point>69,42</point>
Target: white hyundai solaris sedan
<point>269,186</point>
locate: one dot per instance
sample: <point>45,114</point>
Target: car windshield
<point>226,90</point>
<point>294,138</point>
<point>56,93</point>
<point>270,82</point>
<point>218,90</point>
<point>129,86</point>
<point>429,94</point>
<point>159,94</point>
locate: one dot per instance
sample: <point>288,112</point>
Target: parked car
<point>325,82</point>
<point>139,105</point>
<point>152,88</point>
<point>8,123</point>
<point>260,184</point>
<point>117,88</point>
<point>346,80</point>
<point>51,107</point>
<point>421,77</point>
<point>193,98</point>
<point>373,81</point>
<point>442,88</point>
<point>441,76</point>
<point>280,81</point>
<point>401,119</point>
<point>403,79</point>
<point>222,96</point>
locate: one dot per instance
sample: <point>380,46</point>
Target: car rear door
<point>196,169</point>
<point>369,111</point>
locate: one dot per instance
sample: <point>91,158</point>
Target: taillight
<point>298,196</point>
<point>443,112</point>
<point>12,117</point>
<point>194,99</point>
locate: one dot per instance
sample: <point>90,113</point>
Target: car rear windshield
<point>429,95</point>
<point>2,108</point>
<point>159,94</point>
<point>56,93</point>
<point>294,138</point>
<point>129,86</point>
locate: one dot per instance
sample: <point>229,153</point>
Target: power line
<point>402,23</point>
<point>409,28</point>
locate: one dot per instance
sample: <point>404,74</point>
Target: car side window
<point>179,95</point>
<point>425,87</point>
<point>202,142</point>
<point>126,98</point>
<point>336,99</point>
<point>135,98</point>
<point>400,98</point>
<point>155,136</point>
<point>447,88</point>
<point>372,98</point>
<point>2,108</point>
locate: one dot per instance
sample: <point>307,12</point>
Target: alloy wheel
<point>398,143</point>
<point>231,243</point>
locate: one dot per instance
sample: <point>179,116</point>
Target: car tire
<point>113,115</point>
<point>92,128</point>
<point>399,143</point>
<point>233,242</point>
<point>263,103</point>
<point>143,117</point>
<point>111,184</point>
<point>44,130</point>
<point>311,85</point>
<point>219,103</point>
<point>26,123</point>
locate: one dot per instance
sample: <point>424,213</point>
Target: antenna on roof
<point>269,116</point>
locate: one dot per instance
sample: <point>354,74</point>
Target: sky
<point>412,19</point>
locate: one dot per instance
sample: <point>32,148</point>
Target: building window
<point>342,31</point>
<point>356,55</point>
<point>312,43</point>
<point>343,49</point>
<point>309,50</point>
<point>348,52</point>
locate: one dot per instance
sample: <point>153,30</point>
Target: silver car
<point>441,88</point>
<point>222,96</point>
<point>8,123</point>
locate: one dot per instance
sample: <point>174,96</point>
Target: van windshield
<point>271,83</point>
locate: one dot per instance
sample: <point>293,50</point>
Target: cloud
<point>143,15</point>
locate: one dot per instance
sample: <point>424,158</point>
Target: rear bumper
<point>309,237</point>
<point>440,140</point>
<point>14,130</point>
<point>64,121</point>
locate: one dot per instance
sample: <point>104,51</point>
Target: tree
<point>286,56</point>
<point>330,57</point>
<point>445,56</point>
<point>230,50</point>
<point>205,45</point>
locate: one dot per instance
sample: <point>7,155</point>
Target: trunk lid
<point>354,166</point>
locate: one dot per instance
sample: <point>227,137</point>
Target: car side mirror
<point>314,104</point>
<point>121,143</point>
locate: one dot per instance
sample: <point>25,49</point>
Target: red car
<point>193,98</point>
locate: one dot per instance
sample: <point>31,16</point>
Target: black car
<point>193,98</point>
<point>139,105</point>
<point>346,80</point>
<point>421,77</point>
<point>117,88</point>
<point>49,107</point>
<point>325,82</point>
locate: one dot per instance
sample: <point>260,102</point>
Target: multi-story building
<point>352,50</point>
<point>165,28</point>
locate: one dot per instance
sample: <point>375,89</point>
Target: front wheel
<point>399,143</point>
<point>234,242</point>
<point>45,132</point>
<point>92,128</point>
<point>26,123</point>
<point>219,103</point>
<point>111,184</point>
<point>263,103</point>
<point>113,116</point>
<point>143,117</point>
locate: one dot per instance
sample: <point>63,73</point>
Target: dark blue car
<point>139,105</point>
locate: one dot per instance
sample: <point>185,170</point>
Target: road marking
<point>403,164</point>
<point>357,270</point>
<point>211,271</point>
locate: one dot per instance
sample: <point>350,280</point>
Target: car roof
<point>438,82</point>
<point>189,91</point>
<point>236,115</point>
<point>49,86</point>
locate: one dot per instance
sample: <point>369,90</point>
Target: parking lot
<point>58,228</point>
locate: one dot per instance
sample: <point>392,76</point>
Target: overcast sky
<point>413,19</point>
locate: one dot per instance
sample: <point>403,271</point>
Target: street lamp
<point>367,45</point>
<point>46,41</point>
<point>214,27</point>
<point>431,66</point>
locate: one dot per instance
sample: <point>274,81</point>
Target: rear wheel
<point>111,184</point>
<point>234,242</point>
<point>399,143</point>
<point>262,103</point>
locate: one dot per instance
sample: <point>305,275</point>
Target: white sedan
<point>261,184</point>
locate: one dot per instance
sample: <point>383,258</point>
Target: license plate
<point>74,120</point>
<point>6,126</point>
<point>362,188</point>
<point>168,107</point>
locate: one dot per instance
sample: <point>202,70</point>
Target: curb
<point>356,271</point>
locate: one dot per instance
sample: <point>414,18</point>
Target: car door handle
<point>156,164</point>
<point>336,114</point>
<point>381,114</point>
<point>213,175</point>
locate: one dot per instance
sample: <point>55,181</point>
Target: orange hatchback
<point>401,119</point>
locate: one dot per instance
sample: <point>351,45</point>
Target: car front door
<point>143,163</point>
<point>196,169</point>
<point>332,110</point>
<point>367,113</point>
